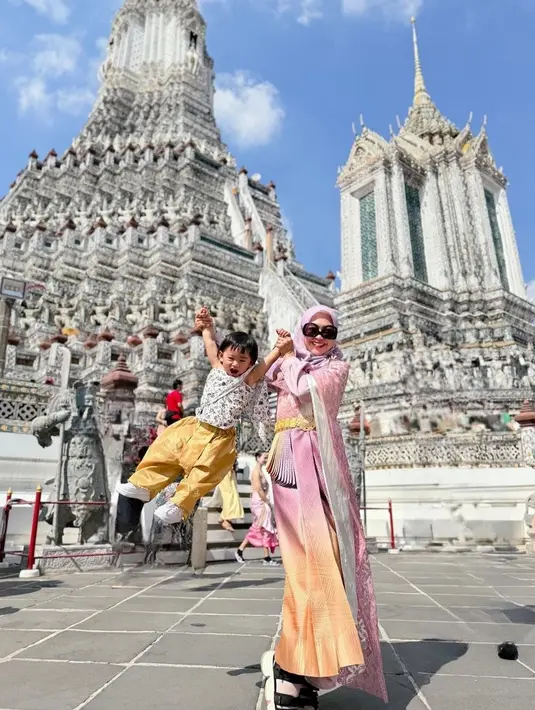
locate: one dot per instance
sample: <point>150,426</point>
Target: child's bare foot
<point>226,525</point>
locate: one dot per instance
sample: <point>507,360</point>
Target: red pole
<point>35,523</point>
<point>5,521</point>
<point>392,534</point>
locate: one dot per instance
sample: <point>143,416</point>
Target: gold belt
<point>295,423</point>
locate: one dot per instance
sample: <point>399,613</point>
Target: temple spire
<point>420,91</point>
<point>424,119</point>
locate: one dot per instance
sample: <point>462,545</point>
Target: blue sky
<point>293,76</point>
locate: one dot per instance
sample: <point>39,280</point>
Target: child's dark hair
<point>243,342</point>
<point>176,384</point>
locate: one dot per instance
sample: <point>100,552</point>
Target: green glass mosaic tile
<point>414,209</point>
<point>497,238</point>
<point>368,237</point>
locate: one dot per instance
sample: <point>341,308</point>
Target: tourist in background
<point>262,532</point>
<point>160,419</point>
<point>330,631</point>
<point>174,404</point>
<point>227,498</point>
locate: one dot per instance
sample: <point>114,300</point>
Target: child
<point>203,448</point>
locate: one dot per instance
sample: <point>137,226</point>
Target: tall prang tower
<point>435,316</point>
<point>143,219</point>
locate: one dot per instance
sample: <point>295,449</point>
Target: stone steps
<point>222,544</point>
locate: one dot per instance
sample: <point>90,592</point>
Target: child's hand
<point>285,344</point>
<point>283,333</point>
<point>203,320</point>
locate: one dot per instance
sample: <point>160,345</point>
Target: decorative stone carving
<point>140,222</point>
<point>83,477</point>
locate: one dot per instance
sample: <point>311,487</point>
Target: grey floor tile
<point>117,620</point>
<point>11,641</point>
<point>445,693</point>
<point>78,646</point>
<point>42,619</point>
<point>401,697</point>
<point>202,649</point>
<point>205,689</point>
<point>414,613</point>
<point>230,624</point>
<point>457,659</point>
<point>45,686</point>
<point>149,603</point>
<point>416,630</point>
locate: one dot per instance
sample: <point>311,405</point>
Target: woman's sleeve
<point>295,373</point>
<point>331,382</point>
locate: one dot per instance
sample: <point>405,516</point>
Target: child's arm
<point>283,344</point>
<point>204,322</point>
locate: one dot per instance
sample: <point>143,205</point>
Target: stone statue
<point>82,477</point>
<point>192,59</point>
<point>63,318</point>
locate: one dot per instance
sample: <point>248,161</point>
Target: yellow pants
<point>201,453</point>
<point>227,498</point>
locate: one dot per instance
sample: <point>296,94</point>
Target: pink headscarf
<point>313,362</point>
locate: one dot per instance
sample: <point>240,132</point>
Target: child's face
<point>234,362</point>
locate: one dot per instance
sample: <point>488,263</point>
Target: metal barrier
<point>390,510</point>
<point>36,505</point>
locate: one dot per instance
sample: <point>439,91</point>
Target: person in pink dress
<point>330,634</point>
<point>262,532</point>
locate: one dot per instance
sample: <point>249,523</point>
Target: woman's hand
<point>203,320</point>
<point>285,344</point>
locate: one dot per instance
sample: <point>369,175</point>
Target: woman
<point>262,532</point>
<point>161,420</point>
<point>227,497</point>
<point>329,629</point>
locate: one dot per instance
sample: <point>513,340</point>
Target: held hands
<point>284,343</point>
<point>203,320</point>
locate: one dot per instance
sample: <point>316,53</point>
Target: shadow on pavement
<point>521,614</point>
<point>6,610</point>
<point>13,588</point>
<point>429,655</point>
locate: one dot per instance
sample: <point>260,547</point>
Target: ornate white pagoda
<point>141,220</point>
<point>435,317</point>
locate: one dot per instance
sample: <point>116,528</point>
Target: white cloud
<point>56,54</point>
<point>306,11</point>
<point>56,10</point>
<point>33,95</point>
<point>249,111</point>
<point>41,84</point>
<point>396,10</point>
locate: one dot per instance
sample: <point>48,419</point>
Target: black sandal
<point>308,695</point>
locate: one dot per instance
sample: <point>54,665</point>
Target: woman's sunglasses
<point>328,332</point>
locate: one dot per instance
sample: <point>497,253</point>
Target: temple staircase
<point>223,544</point>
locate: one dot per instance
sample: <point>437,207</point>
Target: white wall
<point>442,503</point>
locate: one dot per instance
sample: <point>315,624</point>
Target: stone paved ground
<point>157,638</point>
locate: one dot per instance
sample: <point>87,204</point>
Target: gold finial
<point>419,85</point>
